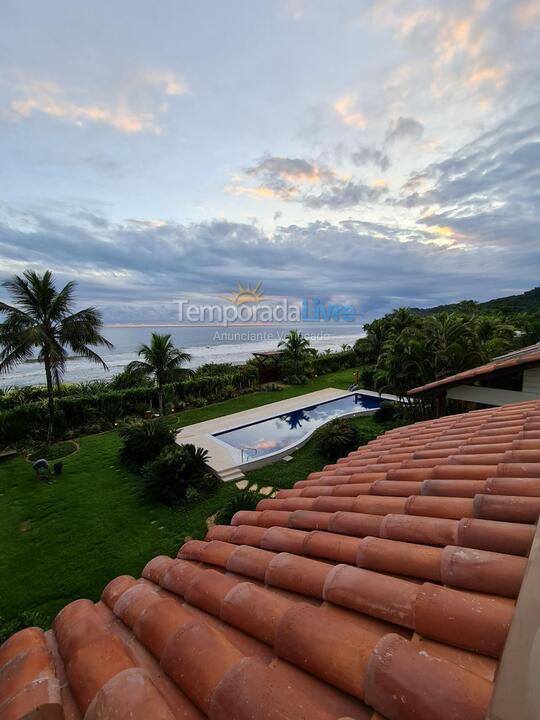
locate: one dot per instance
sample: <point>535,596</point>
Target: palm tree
<point>297,350</point>
<point>403,318</point>
<point>370,346</point>
<point>44,319</point>
<point>162,361</point>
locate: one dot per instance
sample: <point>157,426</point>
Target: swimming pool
<point>273,435</point>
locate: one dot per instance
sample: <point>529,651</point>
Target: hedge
<point>74,412</point>
<point>332,362</point>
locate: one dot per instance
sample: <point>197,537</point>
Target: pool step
<point>231,474</point>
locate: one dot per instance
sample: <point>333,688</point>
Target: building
<point>510,378</point>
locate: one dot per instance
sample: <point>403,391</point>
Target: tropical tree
<point>162,361</point>
<point>453,344</point>
<point>369,348</point>
<point>403,319</point>
<point>495,333</point>
<point>297,351</point>
<point>44,320</point>
<point>530,329</point>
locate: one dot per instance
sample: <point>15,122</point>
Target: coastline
<point>126,340</point>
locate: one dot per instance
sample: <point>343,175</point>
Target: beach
<point>204,343</point>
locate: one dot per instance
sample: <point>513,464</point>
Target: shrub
<point>53,452</point>
<point>143,442</point>
<point>365,435</point>
<point>179,472</point>
<point>129,379</point>
<point>212,369</point>
<point>296,379</point>
<point>367,378</point>
<point>337,438</point>
<point>386,412</point>
<point>244,500</point>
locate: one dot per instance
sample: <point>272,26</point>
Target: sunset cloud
<point>295,170</point>
<point>347,109</point>
<point>134,111</point>
<point>258,192</point>
<point>170,83</point>
<point>491,75</point>
<point>49,99</point>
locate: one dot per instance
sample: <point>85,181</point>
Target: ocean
<point>205,344</point>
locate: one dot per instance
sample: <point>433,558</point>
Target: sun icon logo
<point>246,294</point>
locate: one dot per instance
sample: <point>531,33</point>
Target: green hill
<point>528,302</point>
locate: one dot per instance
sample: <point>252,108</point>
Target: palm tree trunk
<point>160,398</point>
<point>50,399</point>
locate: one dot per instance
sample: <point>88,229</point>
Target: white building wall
<point>491,396</point>
<point>531,381</point>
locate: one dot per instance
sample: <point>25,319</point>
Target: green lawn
<point>68,539</point>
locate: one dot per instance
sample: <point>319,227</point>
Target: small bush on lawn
<point>244,500</point>
<point>180,472</point>
<point>53,452</point>
<point>296,379</point>
<point>143,442</point>
<point>338,438</point>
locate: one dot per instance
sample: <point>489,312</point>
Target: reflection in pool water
<point>269,436</point>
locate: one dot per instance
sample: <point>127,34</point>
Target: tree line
<point>403,349</point>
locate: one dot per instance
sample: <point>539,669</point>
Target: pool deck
<point>222,460</point>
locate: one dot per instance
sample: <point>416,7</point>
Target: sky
<point>381,153</point>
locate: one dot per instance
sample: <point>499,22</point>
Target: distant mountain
<point>526,302</point>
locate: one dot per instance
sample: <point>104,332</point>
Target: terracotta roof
<point>529,356</point>
<point>382,587</point>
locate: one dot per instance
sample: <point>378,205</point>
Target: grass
<point>66,540</point>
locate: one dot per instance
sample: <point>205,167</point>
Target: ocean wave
<point>80,369</point>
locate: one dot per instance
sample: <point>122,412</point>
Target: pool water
<point>277,433</point>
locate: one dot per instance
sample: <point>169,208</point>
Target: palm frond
<point>11,357</point>
<point>19,289</point>
<point>89,354</point>
<point>62,302</point>
<point>138,366</point>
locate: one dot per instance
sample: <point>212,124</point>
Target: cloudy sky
<point>383,153</point>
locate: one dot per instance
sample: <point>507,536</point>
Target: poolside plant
<point>337,438</point>
<point>243,500</point>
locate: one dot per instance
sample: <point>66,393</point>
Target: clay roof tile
<point>416,544</point>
